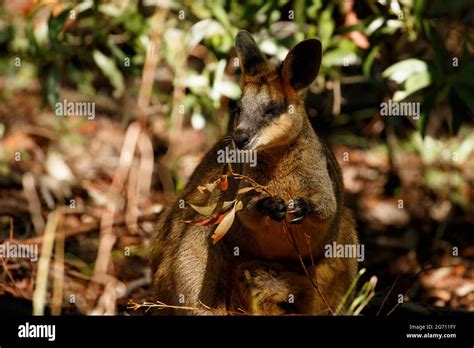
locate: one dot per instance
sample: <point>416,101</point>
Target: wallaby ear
<point>301,65</point>
<point>252,60</point>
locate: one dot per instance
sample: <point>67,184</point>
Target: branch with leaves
<point>223,213</point>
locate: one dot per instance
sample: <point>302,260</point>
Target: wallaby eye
<point>237,111</point>
<point>272,110</point>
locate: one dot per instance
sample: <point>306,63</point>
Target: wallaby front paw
<point>299,208</point>
<point>274,207</point>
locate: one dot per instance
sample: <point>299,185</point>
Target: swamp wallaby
<point>272,259</point>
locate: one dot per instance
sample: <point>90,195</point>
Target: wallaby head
<point>271,112</point>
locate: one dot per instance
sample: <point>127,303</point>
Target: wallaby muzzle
<point>241,138</point>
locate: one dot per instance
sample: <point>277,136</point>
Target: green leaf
<point>55,26</point>
<point>223,86</point>
<point>413,84</point>
<point>326,26</point>
<point>418,81</point>
<point>369,60</point>
<point>201,30</point>
<point>401,71</point>
<point>132,20</point>
<point>221,15</point>
<point>351,288</point>
<point>110,70</point>
<point>313,9</point>
<point>300,16</point>
<point>116,51</point>
<point>111,10</point>
<point>230,89</point>
<point>198,82</point>
<point>391,26</point>
<point>374,25</point>
<point>344,49</point>
<point>31,36</point>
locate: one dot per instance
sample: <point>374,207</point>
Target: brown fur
<point>292,162</point>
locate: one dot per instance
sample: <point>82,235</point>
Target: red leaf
<point>224,183</point>
<point>220,218</point>
<point>204,222</point>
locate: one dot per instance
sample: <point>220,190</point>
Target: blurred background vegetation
<point>169,67</point>
<point>417,50</point>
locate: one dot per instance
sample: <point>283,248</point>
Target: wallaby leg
<point>189,274</point>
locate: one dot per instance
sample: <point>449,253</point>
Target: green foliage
<point>86,44</point>
<point>81,39</point>
<point>360,299</point>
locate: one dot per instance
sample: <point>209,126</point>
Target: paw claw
<point>297,220</point>
<point>299,208</point>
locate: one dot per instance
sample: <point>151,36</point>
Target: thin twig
<point>313,282</point>
<point>151,60</point>
<point>161,305</point>
<point>34,204</point>
<point>251,181</point>
<point>41,285</point>
<point>9,275</point>
<point>58,275</point>
<point>10,220</point>
<point>416,276</point>
<point>307,238</point>
<point>388,294</point>
<point>394,307</point>
<point>133,198</point>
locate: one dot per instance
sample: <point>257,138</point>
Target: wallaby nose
<point>241,138</point>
